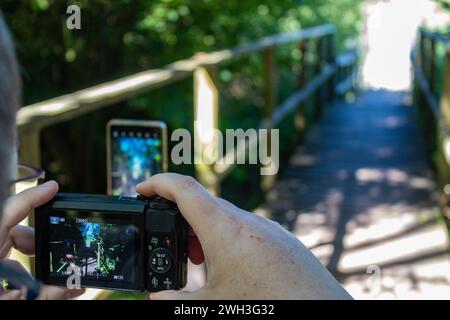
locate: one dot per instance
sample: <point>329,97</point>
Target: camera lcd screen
<point>102,247</point>
<point>136,154</point>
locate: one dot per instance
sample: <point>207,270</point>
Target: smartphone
<point>136,150</point>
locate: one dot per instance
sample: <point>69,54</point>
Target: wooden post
<point>206,113</point>
<point>331,59</point>
<point>422,52</point>
<point>270,80</point>
<point>444,104</point>
<point>29,153</point>
<point>428,61</point>
<point>318,70</point>
<point>270,99</point>
<point>300,116</point>
<point>443,157</point>
<point>29,147</point>
<point>421,64</point>
<point>432,66</point>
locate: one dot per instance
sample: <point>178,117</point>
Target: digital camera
<point>111,242</point>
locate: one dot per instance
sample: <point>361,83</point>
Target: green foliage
<point>4,284</point>
<point>121,37</point>
<point>445,4</point>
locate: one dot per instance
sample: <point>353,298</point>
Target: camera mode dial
<point>160,260</point>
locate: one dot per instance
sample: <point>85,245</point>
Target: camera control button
<point>161,203</point>
<point>160,261</point>
<point>168,284</point>
<point>141,197</point>
<point>154,241</point>
<point>154,282</point>
<point>167,242</point>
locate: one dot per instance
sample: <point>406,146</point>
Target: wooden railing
<point>332,75</point>
<point>434,104</point>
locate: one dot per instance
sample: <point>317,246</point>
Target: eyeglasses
<point>27,176</point>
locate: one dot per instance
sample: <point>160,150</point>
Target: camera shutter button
<point>161,204</point>
<point>160,261</point>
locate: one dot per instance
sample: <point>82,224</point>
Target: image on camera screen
<point>135,157</point>
<point>102,250</point>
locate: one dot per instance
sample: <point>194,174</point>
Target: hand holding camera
<point>246,256</point>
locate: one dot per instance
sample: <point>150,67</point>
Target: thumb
<point>175,295</point>
<point>18,206</point>
<point>195,203</point>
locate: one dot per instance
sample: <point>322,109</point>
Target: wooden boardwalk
<point>360,193</point>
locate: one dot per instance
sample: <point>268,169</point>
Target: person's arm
<point>13,235</point>
<point>246,256</point>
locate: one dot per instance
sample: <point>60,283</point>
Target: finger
<point>18,206</point>
<point>14,264</point>
<point>74,293</point>
<point>175,295</point>
<point>11,295</point>
<point>59,293</point>
<point>195,203</point>
<point>21,238</point>
<point>5,250</point>
<point>196,254</point>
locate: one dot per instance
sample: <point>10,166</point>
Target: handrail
<point>424,86</point>
<point>72,105</point>
<point>52,111</point>
<point>347,59</point>
<point>445,38</point>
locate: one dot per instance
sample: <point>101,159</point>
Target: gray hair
<point>10,91</point>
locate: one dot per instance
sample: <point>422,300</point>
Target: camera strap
<point>15,279</point>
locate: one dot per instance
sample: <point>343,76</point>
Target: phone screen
<point>136,153</point>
